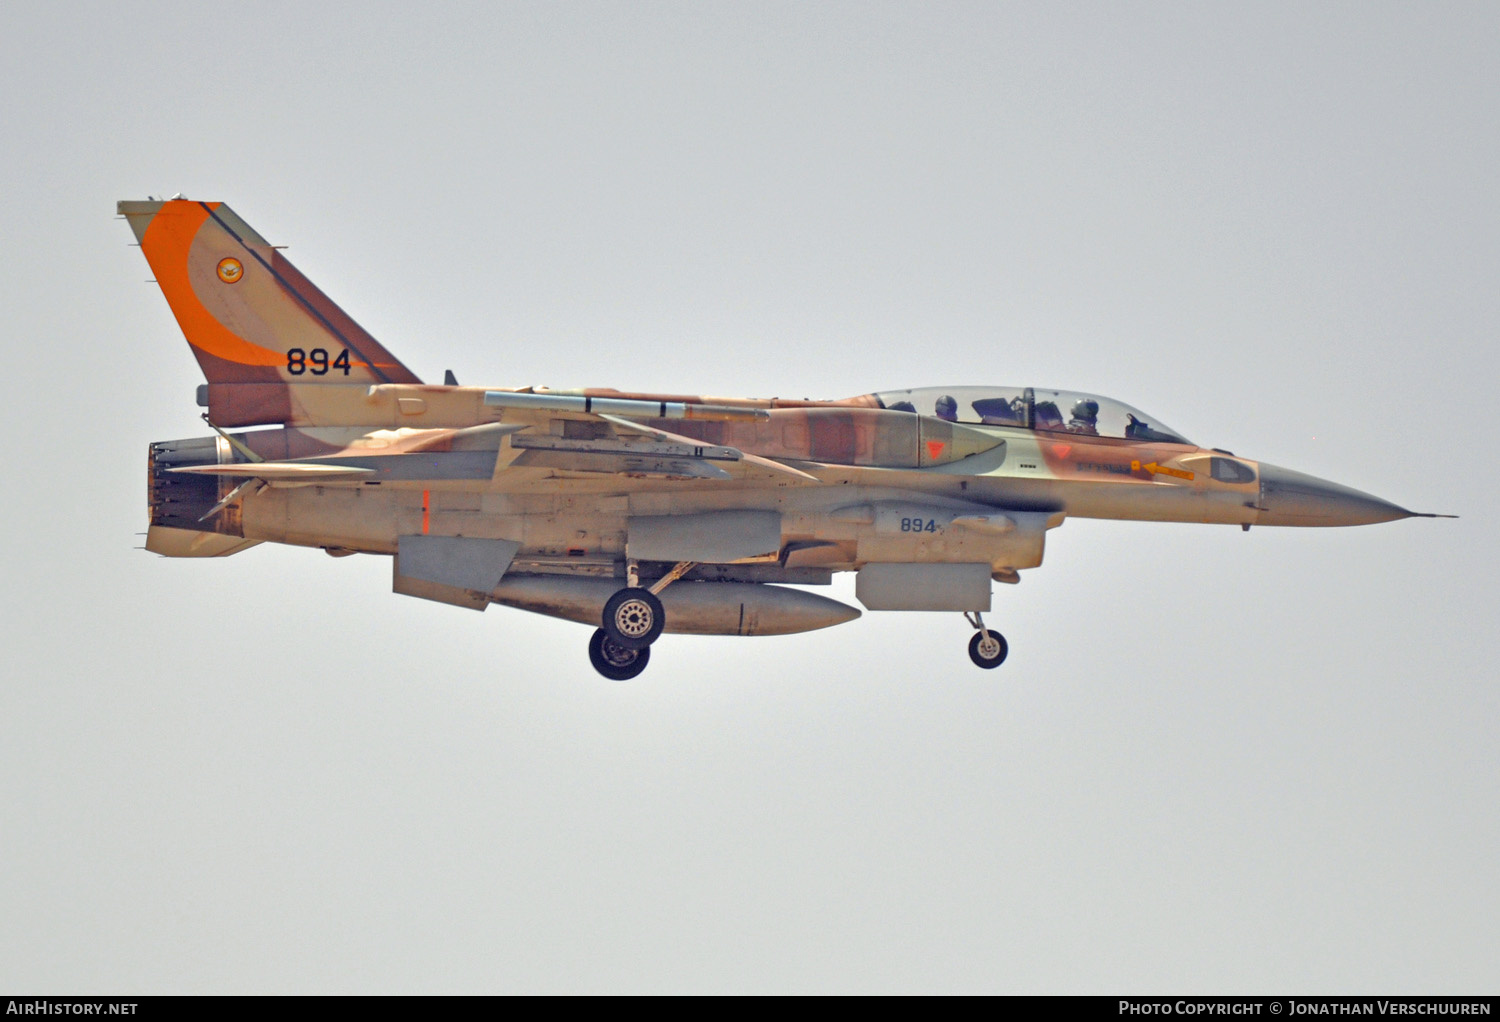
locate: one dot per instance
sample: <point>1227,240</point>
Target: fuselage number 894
<point>919,525</point>
<point>316,361</point>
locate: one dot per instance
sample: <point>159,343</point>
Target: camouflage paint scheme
<point>553,500</point>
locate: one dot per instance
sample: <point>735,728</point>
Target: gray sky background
<point>1215,761</point>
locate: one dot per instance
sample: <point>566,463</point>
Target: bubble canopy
<point>1055,411</point>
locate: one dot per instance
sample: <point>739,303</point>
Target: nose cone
<point>1294,498</point>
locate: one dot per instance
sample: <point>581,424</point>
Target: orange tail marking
<point>167,244</point>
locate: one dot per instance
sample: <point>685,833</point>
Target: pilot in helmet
<point>947,408</point>
<point>1085,417</point>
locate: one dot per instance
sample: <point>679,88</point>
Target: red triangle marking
<point>935,449</point>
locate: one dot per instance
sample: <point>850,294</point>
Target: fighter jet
<point>637,513</point>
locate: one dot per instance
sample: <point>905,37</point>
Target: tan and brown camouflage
<point>570,502</point>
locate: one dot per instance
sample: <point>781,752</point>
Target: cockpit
<point>1053,411</point>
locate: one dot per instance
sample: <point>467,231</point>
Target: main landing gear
<point>614,661</point>
<point>987,649</point>
<point>633,620</point>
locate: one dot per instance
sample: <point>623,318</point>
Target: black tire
<point>616,662</point>
<point>977,655</point>
<point>634,617</point>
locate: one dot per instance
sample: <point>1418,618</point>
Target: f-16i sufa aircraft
<point>643,513</point>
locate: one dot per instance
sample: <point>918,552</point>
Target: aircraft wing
<point>565,440</point>
<point>641,452</point>
<point>754,466</point>
<point>613,456</point>
<point>664,454</point>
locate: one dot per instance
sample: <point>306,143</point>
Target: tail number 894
<point>316,361</point>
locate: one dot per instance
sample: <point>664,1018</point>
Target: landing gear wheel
<point>614,661</point>
<point>634,617</point>
<point>988,649</point>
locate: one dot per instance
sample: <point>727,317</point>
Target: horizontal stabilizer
<point>414,465</point>
<point>280,471</point>
<point>171,542</point>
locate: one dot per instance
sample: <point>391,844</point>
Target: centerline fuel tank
<point>692,608</point>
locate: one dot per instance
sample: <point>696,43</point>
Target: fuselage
<point>894,485</point>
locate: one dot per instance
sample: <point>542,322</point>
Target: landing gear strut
<point>987,649</point>
<point>633,620</point>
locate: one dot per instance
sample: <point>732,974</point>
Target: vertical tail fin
<point>252,320</point>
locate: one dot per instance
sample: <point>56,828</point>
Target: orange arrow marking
<point>935,449</point>
<point>1160,470</point>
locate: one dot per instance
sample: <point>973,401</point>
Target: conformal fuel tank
<point>693,608</point>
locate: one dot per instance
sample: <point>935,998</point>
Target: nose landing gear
<point>987,649</point>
